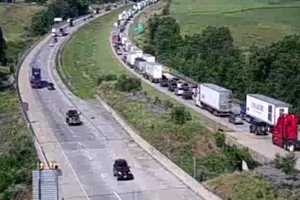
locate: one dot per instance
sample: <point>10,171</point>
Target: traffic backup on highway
<point>264,114</point>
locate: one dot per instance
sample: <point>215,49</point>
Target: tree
<point>3,47</point>
<point>41,22</point>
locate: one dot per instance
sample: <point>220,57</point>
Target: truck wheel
<point>291,148</point>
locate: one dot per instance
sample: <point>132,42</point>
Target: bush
<point>107,77</point>
<point>128,84</point>
<point>286,163</point>
<point>168,104</point>
<point>220,140</point>
<point>236,156</point>
<point>41,22</point>
<point>180,115</point>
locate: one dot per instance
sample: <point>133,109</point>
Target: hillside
<point>17,153</point>
<point>252,21</point>
<point>15,20</point>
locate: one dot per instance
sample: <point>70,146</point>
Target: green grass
<point>15,18</point>
<point>242,186</point>
<point>17,153</point>
<point>251,22</point>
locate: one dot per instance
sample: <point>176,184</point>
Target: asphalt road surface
<point>86,153</point>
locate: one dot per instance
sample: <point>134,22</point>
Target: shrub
<point>128,84</point>
<point>180,115</point>
<point>286,163</point>
<point>106,77</point>
<point>168,104</point>
<point>157,101</point>
<point>236,156</point>
<point>41,22</point>
<point>220,140</point>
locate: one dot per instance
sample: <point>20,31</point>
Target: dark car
<point>187,94</point>
<point>121,170</point>
<point>258,128</point>
<point>73,117</point>
<point>236,119</point>
<point>50,86</point>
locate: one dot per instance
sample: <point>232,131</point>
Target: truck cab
<point>36,78</point>
<point>285,133</point>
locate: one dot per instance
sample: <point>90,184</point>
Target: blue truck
<point>36,78</point>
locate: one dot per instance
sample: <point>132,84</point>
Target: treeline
<point>43,20</point>
<point>211,56</point>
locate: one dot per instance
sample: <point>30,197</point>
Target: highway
<point>261,147</point>
<point>86,153</point>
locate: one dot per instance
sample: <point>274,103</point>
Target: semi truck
<point>36,78</point>
<point>263,112</point>
<point>285,132</point>
<point>132,55</point>
<point>214,98</point>
<point>153,72</point>
<point>148,58</point>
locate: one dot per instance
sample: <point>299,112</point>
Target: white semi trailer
<point>149,58</point>
<point>153,71</point>
<point>214,98</point>
<point>263,112</point>
<point>132,55</point>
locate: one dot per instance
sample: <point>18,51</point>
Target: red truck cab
<point>285,133</point>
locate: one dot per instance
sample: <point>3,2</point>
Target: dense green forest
<point>211,56</point>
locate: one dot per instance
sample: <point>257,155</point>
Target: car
<point>50,86</point>
<point>172,86</point>
<point>235,119</point>
<point>179,91</point>
<point>121,170</point>
<point>187,94</point>
<point>73,117</point>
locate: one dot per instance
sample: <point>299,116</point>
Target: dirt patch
<point>204,146</point>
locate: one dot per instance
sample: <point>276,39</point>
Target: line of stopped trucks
<point>264,114</point>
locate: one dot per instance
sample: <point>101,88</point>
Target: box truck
<point>148,57</point>
<point>132,55</point>
<point>214,98</point>
<point>264,112</point>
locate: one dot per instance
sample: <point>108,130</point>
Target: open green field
<point>251,21</point>
<point>15,19</point>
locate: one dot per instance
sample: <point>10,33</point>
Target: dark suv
<point>73,117</point>
<point>121,170</point>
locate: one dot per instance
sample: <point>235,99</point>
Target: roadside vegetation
<point>89,67</point>
<point>251,22</point>
<point>211,56</point>
<point>17,153</point>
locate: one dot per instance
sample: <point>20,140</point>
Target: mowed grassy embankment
<point>17,153</point>
<point>15,21</point>
<point>88,56</point>
<point>251,21</point>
